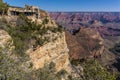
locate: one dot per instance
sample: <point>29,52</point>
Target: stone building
<point>32,12</point>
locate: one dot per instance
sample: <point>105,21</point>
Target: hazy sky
<point>70,5</point>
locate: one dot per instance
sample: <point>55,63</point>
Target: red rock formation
<point>86,43</point>
<point>98,21</point>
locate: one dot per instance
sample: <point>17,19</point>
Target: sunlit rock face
<point>6,41</point>
<point>54,51</point>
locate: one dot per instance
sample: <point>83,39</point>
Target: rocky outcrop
<point>86,43</point>
<point>47,20</point>
<point>54,51</point>
<point>6,41</point>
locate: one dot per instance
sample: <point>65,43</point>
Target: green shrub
<point>51,65</point>
<point>60,28</point>
<point>46,74</point>
<point>11,69</point>
<point>74,62</point>
<point>57,29</point>
<point>61,73</point>
<point>116,49</point>
<point>45,21</point>
<point>3,7</point>
<point>24,32</point>
<point>93,70</point>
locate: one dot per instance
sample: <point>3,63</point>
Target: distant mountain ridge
<point>107,23</point>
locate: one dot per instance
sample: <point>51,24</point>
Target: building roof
<point>16,7</point>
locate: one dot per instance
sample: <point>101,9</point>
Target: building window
<point>12,13</point>
<point>37,16</point>
<point>36,10</point>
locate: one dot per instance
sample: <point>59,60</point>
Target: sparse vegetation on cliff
<point>93,70</point>
<point>11,69</point>
<point>22,34</point>
<point>48,73</point>
<point>26,31</point>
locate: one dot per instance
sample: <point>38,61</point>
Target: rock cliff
<point>48,39</point>
<point>54,51</point>
<point>85,43</point>
<point>54,48</point>
<point>6,41</point>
